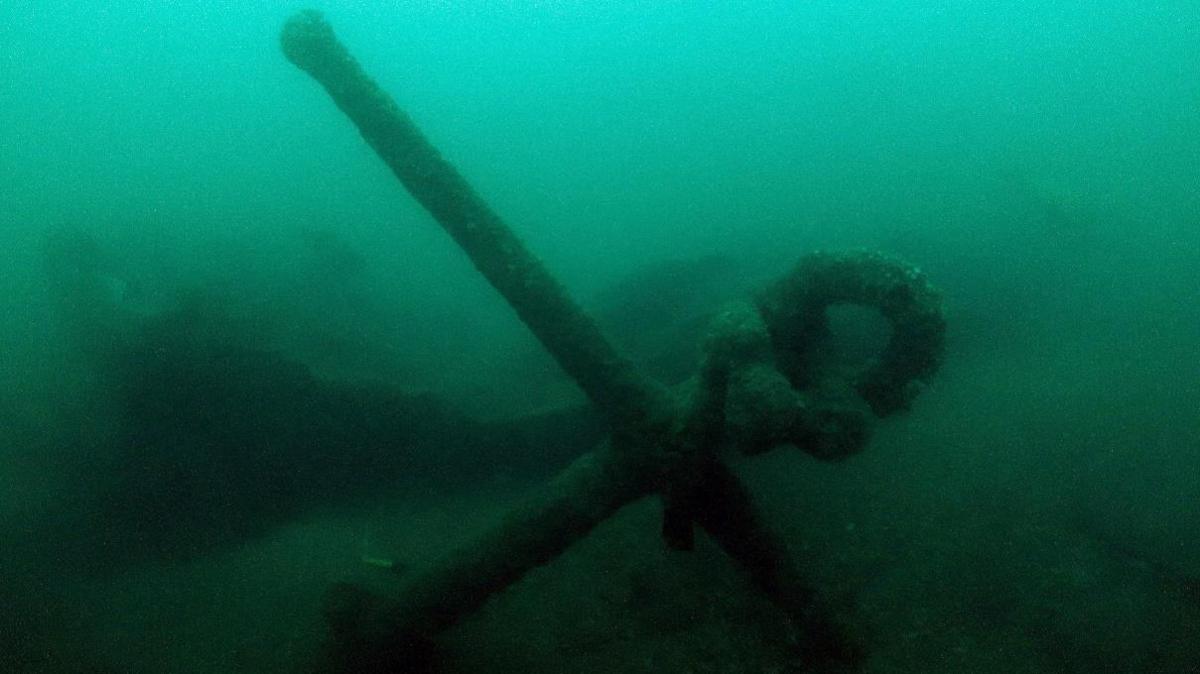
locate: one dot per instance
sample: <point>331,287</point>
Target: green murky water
<point>240,363</point>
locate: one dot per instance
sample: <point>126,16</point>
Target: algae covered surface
<point>242,365</point>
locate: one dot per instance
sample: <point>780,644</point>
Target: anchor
<point>757,388</point>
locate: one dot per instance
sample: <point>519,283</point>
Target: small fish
<point>384,563</point>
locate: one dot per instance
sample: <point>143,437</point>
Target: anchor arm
<point>730,517</point>
<point>386,631</point>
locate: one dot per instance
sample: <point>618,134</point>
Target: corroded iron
<point>751,393</point>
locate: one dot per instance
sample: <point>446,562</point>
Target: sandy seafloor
<point>1001,526</point>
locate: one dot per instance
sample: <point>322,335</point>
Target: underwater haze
<point>241,363</point>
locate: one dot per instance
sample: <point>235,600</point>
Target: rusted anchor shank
<point>574,340</point>
<point>659,443</point>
